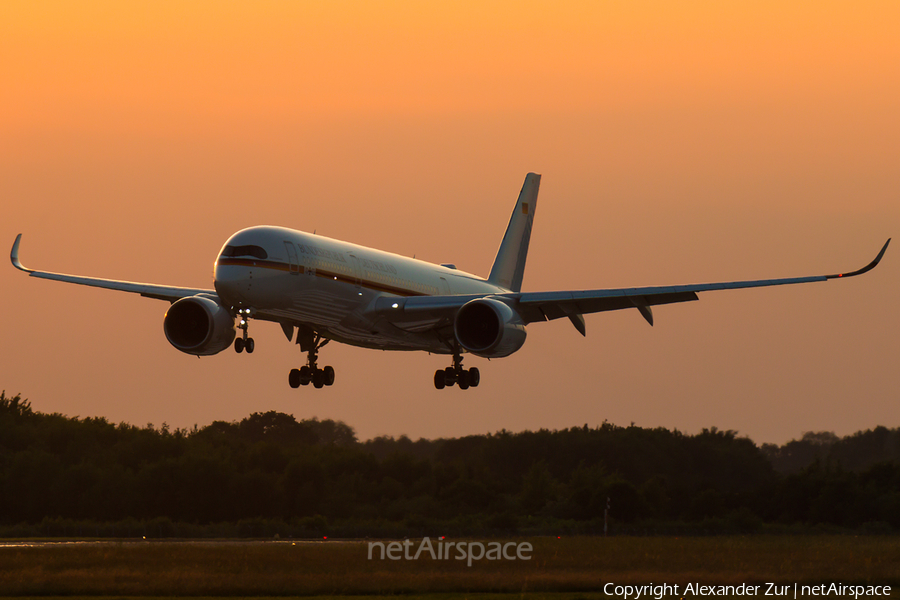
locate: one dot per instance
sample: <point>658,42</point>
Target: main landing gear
<point>457,374</point>
<point>244,343</point>
<point>310,372</point>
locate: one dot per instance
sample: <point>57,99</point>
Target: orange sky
<point>678,142</point>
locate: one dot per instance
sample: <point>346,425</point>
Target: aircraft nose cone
<point>231,283</point>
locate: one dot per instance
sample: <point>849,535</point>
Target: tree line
<point>270,473</point>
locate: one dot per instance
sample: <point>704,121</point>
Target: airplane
<point>324,289</point>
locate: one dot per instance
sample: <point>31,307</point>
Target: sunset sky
<point>679,143</point>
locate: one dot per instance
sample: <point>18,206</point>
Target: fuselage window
<point>254,251</point>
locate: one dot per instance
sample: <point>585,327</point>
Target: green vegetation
<point>271,475</point>
<point>578,564</point>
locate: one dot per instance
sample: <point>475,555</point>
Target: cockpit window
<point>255,251</point>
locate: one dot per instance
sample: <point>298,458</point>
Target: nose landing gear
<point>244,343</point>
<point>311,372</point>
<point>464,378</point>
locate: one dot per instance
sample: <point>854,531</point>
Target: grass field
<point>560,568</point>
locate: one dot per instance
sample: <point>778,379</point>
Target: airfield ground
<point>576,567</point>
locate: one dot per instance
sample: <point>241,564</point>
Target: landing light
<point>395,305</point>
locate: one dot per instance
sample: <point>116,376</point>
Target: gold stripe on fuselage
<point>286,268</point>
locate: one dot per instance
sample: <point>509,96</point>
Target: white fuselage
<point>309,280</point>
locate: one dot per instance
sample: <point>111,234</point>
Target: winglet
<point>866,268</point>
<point>14,255</point>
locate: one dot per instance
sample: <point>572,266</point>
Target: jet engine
<point>199,325</point>
<point>489,328</point>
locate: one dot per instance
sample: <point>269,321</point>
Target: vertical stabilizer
<point>509,266</point>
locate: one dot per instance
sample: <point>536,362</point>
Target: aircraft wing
<point>160,292</point>
<point>545,306</point>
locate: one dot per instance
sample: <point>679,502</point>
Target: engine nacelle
<point>199,325</point>
<point>489,328</point>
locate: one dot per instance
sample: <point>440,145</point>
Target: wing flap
<point>556,305</point>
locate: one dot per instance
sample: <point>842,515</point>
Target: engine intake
<point>199,325</point>
<point>489,328</point>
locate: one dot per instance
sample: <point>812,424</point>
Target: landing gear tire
<point>318,379</point>
<point>474,377</point>
<point>463,380</point>
<point>244,342</point>
<point>294,378</point>
<point>310,372</point>
<point>457,374</point>
<point>449,376</point>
